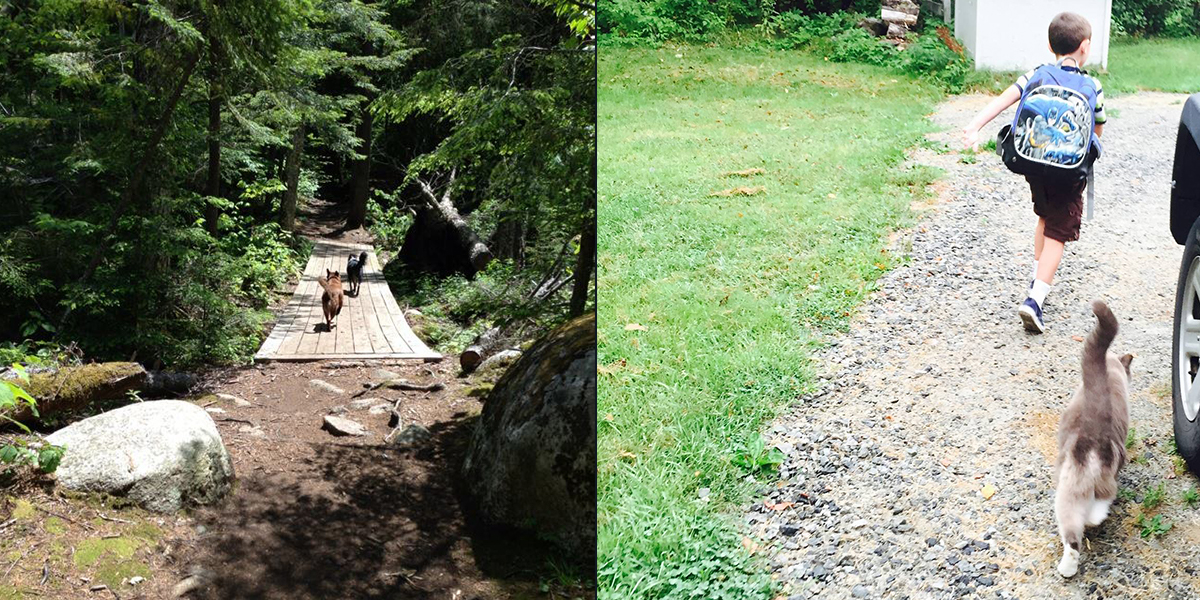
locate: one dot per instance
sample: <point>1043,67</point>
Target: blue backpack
<point>1051,135</point>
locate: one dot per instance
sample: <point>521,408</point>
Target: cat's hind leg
<point>1098,511</point>
<point>1071,509</point>
<point>1105,493</point>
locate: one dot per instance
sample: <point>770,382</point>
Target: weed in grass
<point>1154,496</point>
<point>988,146</point>
<point>1178,465</point>
<point>1126,494</point>
<point>1154,527</point>
<point>755,457</point>
<point>968,159</point>
<point>731,294</point>
<point>1131,439</point>
<point>1140,459</point>
<point>1191,497</point>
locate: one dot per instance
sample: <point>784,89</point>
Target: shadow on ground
<point>363,522</point>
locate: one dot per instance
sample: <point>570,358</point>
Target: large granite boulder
<point>531,463</point>
<point>163,455</point>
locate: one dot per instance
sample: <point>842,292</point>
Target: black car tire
<point>1184,368</point>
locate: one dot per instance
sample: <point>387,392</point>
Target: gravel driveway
<point>937,392</point>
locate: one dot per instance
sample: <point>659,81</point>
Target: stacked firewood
<point>896,16</point>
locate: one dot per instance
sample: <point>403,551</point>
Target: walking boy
<point>1058,203</point>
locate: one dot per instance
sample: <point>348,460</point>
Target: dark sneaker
<point>1031,316</point>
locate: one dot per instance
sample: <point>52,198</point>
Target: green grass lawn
<point>1168,65</point>
<point>712,303</point>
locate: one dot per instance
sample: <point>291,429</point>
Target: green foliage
<point>695,20</point>
<point>1131,439</point>
<point>16,452</point>
<point>1126,494</point>
<point>1166,18</point>
<point>857,45</point>
<point>1154,527</point>
<point>794,30</point>
<point>930,57</point>
<point>388,225</point>
<point>755,457</point>
<point>1154,496</point>
<point>1191,497</point>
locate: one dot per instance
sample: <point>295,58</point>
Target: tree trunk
<point>212,213</point>
<point>287,208</point>
<point>509,240</point>
<point>585,267</point>
<point>442,214</point>
<point>362,173</point>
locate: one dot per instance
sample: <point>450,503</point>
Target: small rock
<point>325,386</point>
<point>859,591</point>
<point>363,404</point>
<point>410,436</point>
<point>255,431</point>
<point>380,409</point>
<point>337,410</point>
<point>703,493</point>
<point>215,410</point>
<point>136,579</point>
<point>342,426</point>
<point>384,374</point>
<point>931,542</point>
<point>235,400</point>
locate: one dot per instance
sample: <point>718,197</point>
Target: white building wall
<point>1011,35</point>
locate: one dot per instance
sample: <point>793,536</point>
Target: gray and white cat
<point>1091,439</point>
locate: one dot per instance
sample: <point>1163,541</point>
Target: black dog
<point>354,269</point>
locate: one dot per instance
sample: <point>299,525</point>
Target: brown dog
<point>331,300</point>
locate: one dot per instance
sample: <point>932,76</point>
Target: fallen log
<point>483,346</point>
<point>72,388</point>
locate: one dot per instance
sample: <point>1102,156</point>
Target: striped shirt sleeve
<point>1100,118</point>
<point>1023,80</point>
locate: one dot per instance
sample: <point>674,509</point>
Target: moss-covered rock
<point>532,461</point>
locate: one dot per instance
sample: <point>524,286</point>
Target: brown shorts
<point>1060,205</point>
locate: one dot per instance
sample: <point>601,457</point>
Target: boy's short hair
<point>1067,32</point>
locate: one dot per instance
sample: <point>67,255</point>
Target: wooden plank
<point>383,320</point>
<point>371,309</point>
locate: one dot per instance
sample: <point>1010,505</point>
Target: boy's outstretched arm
<point>970,133</point>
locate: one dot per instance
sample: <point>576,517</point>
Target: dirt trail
<point>937,392</point>
<point>312,516</point>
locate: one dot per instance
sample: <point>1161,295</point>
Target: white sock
<point>1038,291</point>
<point>1034,276</point>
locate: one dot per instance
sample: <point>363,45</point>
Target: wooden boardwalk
<point>370,326</point>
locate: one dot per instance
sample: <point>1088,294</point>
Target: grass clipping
<point>741,191</point>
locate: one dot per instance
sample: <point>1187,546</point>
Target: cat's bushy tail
<point>1095,351</point>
